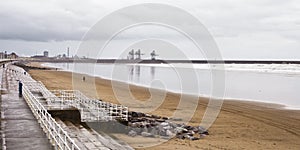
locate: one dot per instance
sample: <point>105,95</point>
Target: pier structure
<point>91,110</point>
<point>42,121</point>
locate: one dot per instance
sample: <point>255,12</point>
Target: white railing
<point>58,137</point>
<point>92,109</point>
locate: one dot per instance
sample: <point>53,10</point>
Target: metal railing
<point>92,109</point>
<point>58,137</point>
<point>48,99</point>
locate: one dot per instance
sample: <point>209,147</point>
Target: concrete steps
<point>73,133</point>
<point>90,139</point>
<point>86,135</point>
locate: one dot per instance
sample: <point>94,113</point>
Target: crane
<point>131,55</point>
<point>153,55</point>
<point>138,54</point>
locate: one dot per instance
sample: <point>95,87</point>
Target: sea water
<point>272,83</point>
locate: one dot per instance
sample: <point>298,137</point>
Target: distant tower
<point>68,52</point>
<point>153,55</point>
<point>138,54</point>
<point>46,54</point>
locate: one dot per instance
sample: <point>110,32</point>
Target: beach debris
<point>161,127</point>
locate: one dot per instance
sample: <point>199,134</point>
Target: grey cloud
<point>69,20</point>
<point>236,17</point>
<point>42,22</point>
<point>232,20</point>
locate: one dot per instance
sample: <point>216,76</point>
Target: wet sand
<point>240,124</point>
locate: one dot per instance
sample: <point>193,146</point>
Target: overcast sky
<point>243,29</point>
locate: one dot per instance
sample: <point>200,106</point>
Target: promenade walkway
<point>19,128</point>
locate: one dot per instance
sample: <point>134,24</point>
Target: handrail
<point>59,138</point>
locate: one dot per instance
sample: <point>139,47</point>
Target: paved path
<point>19,128</point>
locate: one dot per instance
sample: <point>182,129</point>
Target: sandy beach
<point>240,124</point>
